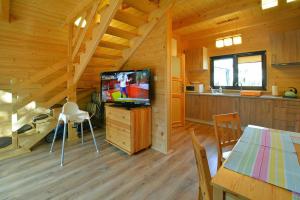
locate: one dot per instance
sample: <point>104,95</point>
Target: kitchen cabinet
<point>285,47</point>
<point>227,104</point>
<point>196,59</point>
<point>272,113</point>
<point>285,114</point>
<point>202,108</point>
<point>256,111</point>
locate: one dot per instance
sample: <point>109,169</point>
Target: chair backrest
<point>227,128</point>
<point>70,108</point>
<point>205,189</point>
<point>227,131</point>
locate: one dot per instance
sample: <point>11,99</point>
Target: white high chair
<point>71,113</point>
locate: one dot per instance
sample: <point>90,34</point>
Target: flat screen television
<point>126,87</point>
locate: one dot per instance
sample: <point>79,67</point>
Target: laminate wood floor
<point>111,174</point>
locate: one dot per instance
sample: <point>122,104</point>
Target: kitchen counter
<point>238,95</point>
<point>268,111</point>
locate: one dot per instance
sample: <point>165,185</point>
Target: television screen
<point>126,87</point>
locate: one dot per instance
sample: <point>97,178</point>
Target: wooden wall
<point>34,39</point>
<point>153,54</point>
<point>254,39</point>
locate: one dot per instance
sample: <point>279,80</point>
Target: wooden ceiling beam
<point>5,10</point>
<point>263,19</point>
<point>228,9</point>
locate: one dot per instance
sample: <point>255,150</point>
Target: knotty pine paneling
<point>34,39</point>
<point>254,39</point>
<point>153,54</point>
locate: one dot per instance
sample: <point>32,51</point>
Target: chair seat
<point>225,155</point>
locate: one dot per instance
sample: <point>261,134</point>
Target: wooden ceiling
<point>206,17</point>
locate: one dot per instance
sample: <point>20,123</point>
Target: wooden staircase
<point>121,34</point>
<point>108,33</point>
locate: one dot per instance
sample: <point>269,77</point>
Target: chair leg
<point>93,135</point>
<point>52,145</point>
<point>63,147</point>
<point>81,132</point>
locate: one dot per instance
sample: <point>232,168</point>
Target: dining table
<point>263,165</point>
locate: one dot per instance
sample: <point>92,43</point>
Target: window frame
<point>235,70</point>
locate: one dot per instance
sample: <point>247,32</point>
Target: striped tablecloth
<point>268,155</point>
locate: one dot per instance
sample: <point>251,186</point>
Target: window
<point>246,70</point>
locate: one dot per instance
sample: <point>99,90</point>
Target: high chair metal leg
<point>81,132</point>
<point>93,135</point>
<point>63,147</point>
<point>52,145</point>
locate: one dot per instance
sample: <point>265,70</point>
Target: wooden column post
<point>70,85</point>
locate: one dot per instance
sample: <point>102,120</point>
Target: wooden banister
<point>78,29</point>
<point>97,34</point>
<point>82,33</point>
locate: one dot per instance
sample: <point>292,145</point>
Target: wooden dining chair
<point>205,189</point>
<point>227,131</point>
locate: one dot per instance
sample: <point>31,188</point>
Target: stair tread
<point>121,33</point>
<point>145,6</point>
<point>113,45</point>
<point>107,56</point>
<point>130,19</point>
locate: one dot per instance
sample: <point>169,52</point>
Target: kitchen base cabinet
<point>256,111</point>
<point>227,105</point>
<point>286,114</point>
<point>272,113</point>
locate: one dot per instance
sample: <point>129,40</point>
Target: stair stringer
<point>144,31</point>
<point>91,45</point>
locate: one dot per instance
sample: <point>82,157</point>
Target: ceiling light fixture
<point>288,1</point>
<point>265,4</point>
<point>228,41</point>
<point>237,39</point>
<point>78,20</point>
<point>219,43</point>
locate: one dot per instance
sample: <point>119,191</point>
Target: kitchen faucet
<point>241,87</point>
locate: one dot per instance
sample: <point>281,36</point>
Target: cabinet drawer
<point>119,116</point>
<point>118,138</point>
<point>122,130</point>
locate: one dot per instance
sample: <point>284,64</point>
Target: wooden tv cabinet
<point>128,130</point>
